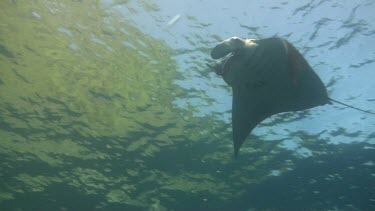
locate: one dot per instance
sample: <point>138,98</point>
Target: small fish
<point>174,20</point>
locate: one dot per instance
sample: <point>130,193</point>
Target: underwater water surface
<point>108,105</point>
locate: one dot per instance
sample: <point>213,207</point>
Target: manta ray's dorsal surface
<point>267,76</point>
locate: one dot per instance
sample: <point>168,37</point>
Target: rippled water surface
<point>108,105</point>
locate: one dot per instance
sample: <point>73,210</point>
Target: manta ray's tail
<point>338,102</point>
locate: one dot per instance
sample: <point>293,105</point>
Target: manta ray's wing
<point>246,115</point>
<point>279,82</point>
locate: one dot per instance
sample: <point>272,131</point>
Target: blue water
<point>109,106</point>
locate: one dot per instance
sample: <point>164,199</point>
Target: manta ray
<point>267,76</point>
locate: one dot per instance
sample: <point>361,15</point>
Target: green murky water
<point>86,117</point>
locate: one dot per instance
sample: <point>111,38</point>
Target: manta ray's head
<point>221,67</point>
<point>231,55</point>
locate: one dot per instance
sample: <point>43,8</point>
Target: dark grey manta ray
<point>267,76</point>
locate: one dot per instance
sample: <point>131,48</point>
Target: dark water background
<point>108,105</point>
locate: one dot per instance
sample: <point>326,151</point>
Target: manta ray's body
<point>267,77</point>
